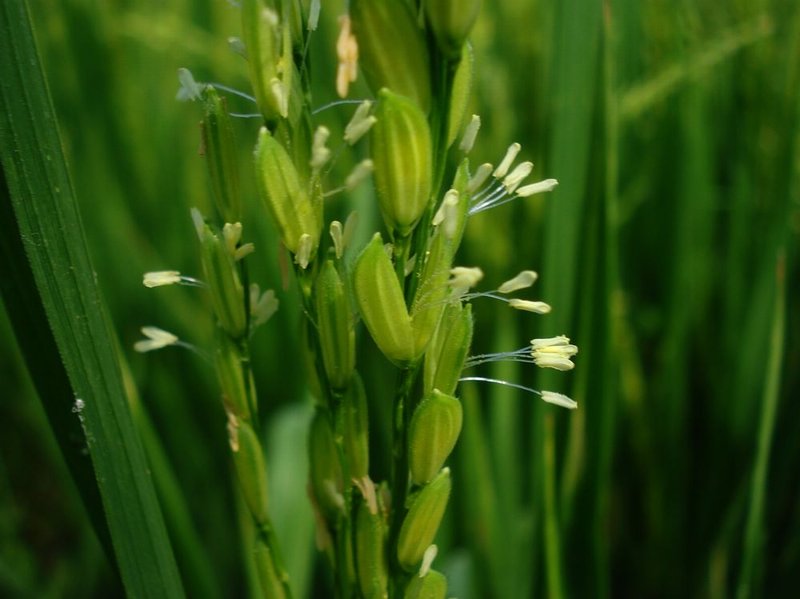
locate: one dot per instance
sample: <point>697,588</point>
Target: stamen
<point>303,254</point>
<point>495,195</point>
<point>361,122</point>
<point>522,354</point>
<point>529,306</point>
<point>450,200</point>
<point>320,153</point>
<point>515,177</point>
<point>507,161</point>
<point>189,88</point>
<point>548,396</point>
<point>555,362</point>
<point>313,15</point>
<point>479,178</point>
<point>160,278</point>
<point>347,52</point>
<point>281,95</point>
<point>156,339</point>
<point>243,251</point>
<point>427,560</point>
<point>262,305</point>
<point>470,133</point>
<point>232,234</point>
<point>336,237</point>
<point>523,280</point>
<point>360,172</point>
<point>559,400</point>
<point>553,352</point>
<point>534,188</point>
<point>550,342</point>
<point>466,277</point>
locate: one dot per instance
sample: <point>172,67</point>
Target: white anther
<point>319,152</point>
<point>313,15</point>
<point>534,188</point>
<point>479,178</point>
<point>336,237</point>
<point>464,277</point>
<point>161,277</point>
<point>470,133</point>
<point>524,279</point>
<point>515,177</point>
<point>303,254</point>
<point>427,560</point>
<point>559,400</point>
<point>360,172</point>
<point>156,339</point>
<point>507,161</point>
<point>529,306</point>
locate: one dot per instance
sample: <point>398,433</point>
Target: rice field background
<point>668,251</point>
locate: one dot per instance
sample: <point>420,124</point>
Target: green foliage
<point>674,132</point>
<point>37,186</point>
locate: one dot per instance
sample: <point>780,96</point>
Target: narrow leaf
<point>36,181</point>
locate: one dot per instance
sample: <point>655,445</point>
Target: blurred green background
<point>674,130</point>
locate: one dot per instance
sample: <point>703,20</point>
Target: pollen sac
<point>231,376</point>
<point>431,586</point>
<point>432,435</point>
<point>287,200</point>
<point>370,547</point>
<point>452,21</point>
<point>402,158</point>
<point>326,471</point>
<point>422,520</point>
<point>356,424</point>
<point>448,350</point>
<point>227,293</point>
<point>251,469</point>
<point>387,30</point>
<point>261,33</point>
<point>455,227</point>
<point>220,152</point>
<point>380,301</point>
<point>336,326</point>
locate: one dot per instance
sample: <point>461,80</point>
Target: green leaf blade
<point>37,183</point>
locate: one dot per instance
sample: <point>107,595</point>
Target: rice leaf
<point>37,185</point>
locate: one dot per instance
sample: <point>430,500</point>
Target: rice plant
<point>352,349</point>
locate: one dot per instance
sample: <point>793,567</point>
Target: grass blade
<point>753,540</point>
<point>40,191</point>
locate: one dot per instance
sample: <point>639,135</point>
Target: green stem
<point>343,566</point>
<point>344,554</point>
<point>403,408</point>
